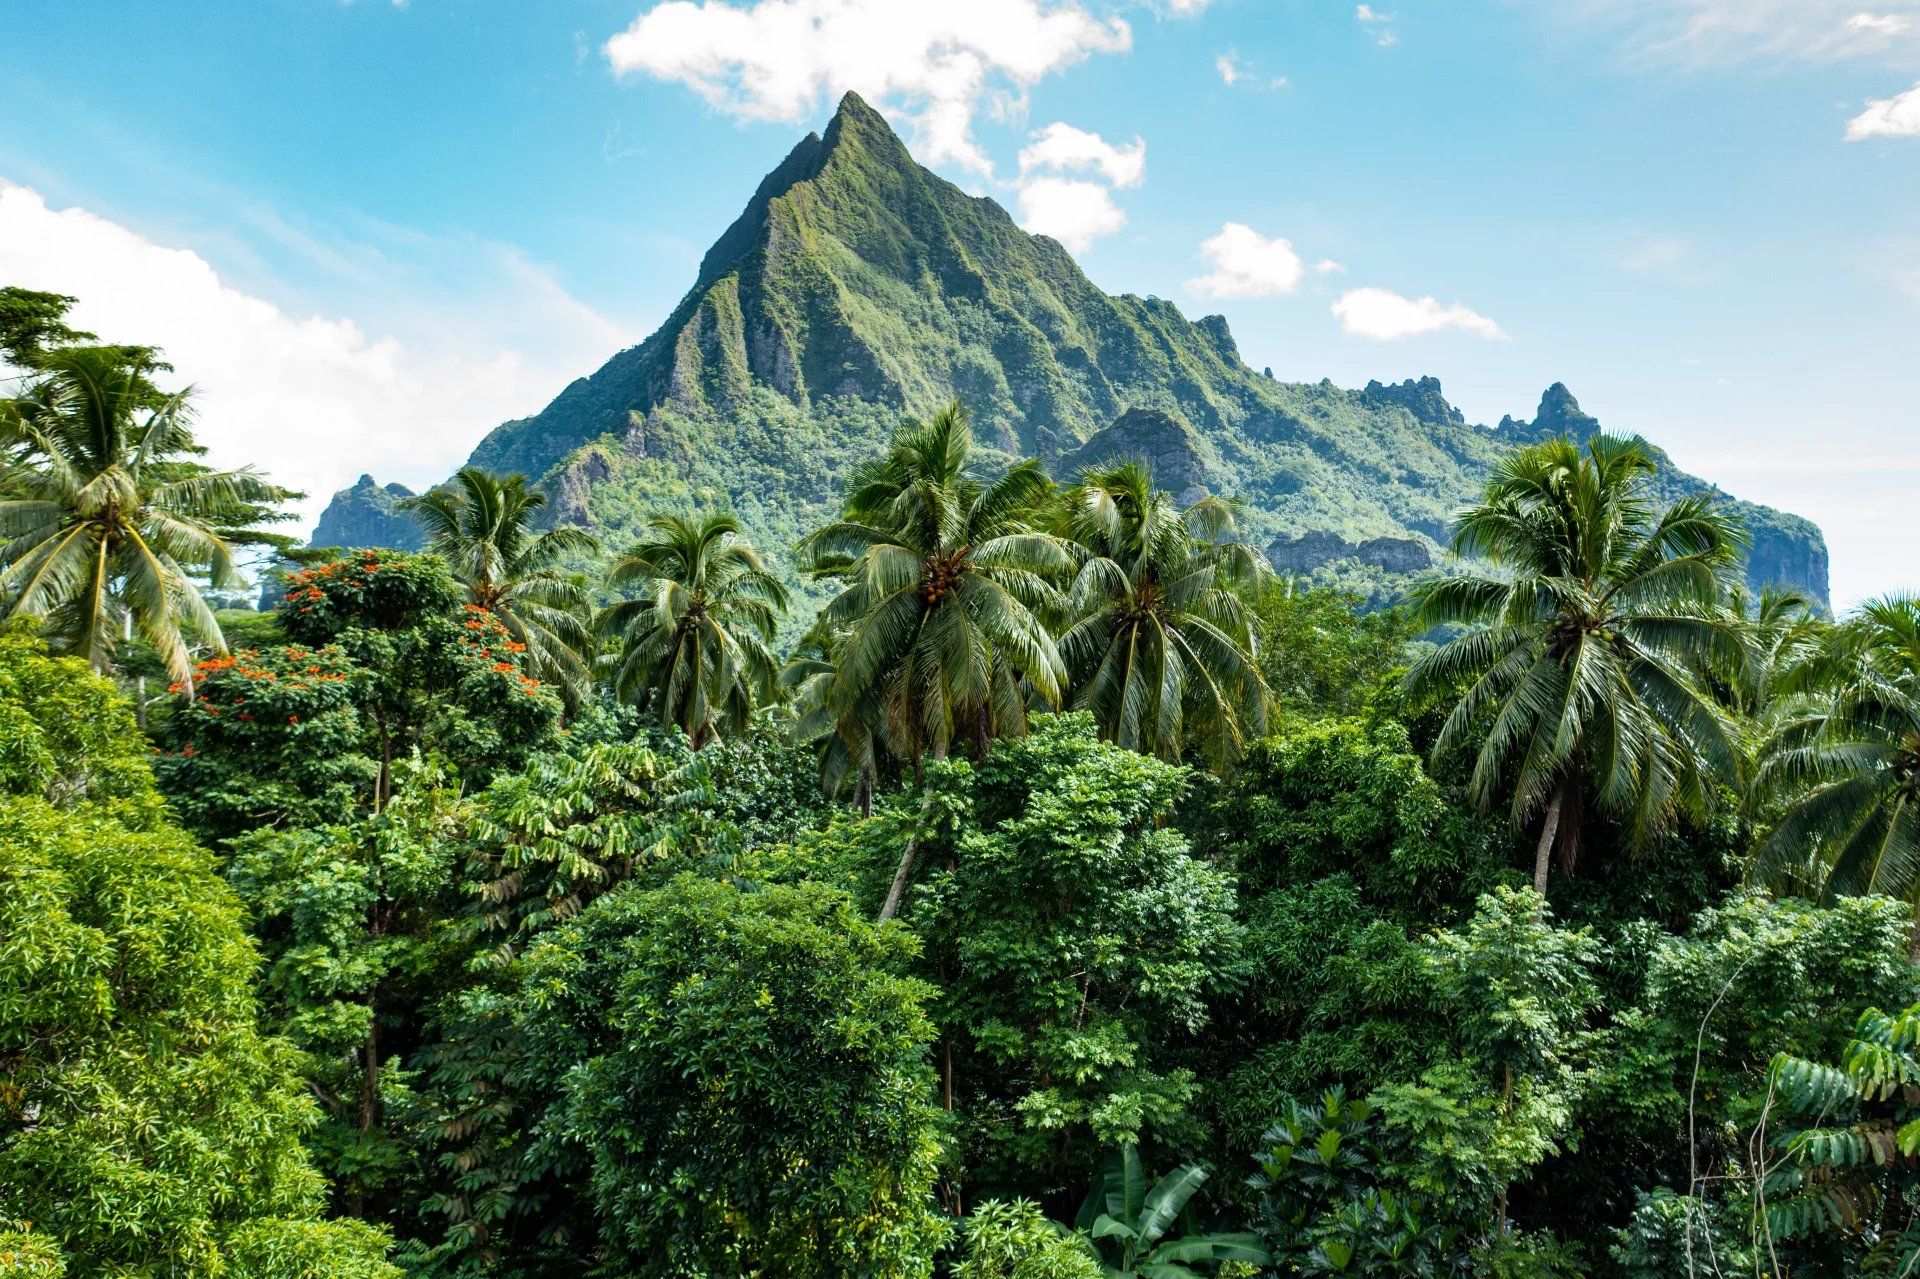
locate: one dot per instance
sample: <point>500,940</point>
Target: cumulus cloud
<point>1895,117</point>
<point>1072,211</point>
<point>313,400</point>
<point>1385,316</point>
<point>1247,264</point>
<point>936,60</point>
<point>1064,149</point>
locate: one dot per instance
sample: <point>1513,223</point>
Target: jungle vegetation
<point>1075,897</point>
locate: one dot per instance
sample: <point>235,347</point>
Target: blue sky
<point>371,231</point>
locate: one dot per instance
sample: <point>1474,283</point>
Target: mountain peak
<point>1560,414</point>
<point>858,287</point>
<point>856,126</point>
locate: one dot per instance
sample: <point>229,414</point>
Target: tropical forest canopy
<point>1071,894</point>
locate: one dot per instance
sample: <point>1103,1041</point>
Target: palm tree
<point>1159,646</point>
<point>106,522</point>
<point>851,743</point>
<point>698,631</point>
<point>483,526</point>
<point>946,581</point>
<point>1574,677</point>
<point>1844,761</point>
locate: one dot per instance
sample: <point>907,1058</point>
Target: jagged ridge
<point>857,286</point>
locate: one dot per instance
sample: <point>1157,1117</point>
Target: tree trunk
<point>1543,855</point>
<point>1913,938</point>
<point>904,871</point>
<point>911,854</point>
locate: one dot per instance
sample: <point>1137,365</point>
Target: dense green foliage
<point>524,966</point>
<point>745,1072</point>
<point>146,1125</point>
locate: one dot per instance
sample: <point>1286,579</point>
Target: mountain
<point>857,286</point>
<point>369,514</point>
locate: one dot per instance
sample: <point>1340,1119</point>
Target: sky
<point>369,231</point>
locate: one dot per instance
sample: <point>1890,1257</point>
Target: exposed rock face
<point>571,487</point>
<point>1559,414</point>
<point>1168,447</point>
<point>1422,398</point>
<point>1310,551</point>
<point>368,514</point>
<point>1789,552</point>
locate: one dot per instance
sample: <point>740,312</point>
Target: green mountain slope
<point>857,286</point>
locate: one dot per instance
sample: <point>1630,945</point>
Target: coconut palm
<point>1844,761</point>
<point>851,743</point>
<point>483,526</point>
<point>696,633</point>
<point>1574,677</point>
<point>1159,646</point>
<point>106,521</point>
<point>945,578</point>
<point>946,581</point>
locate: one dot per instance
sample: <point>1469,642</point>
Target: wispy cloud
<point>1721,31</point>
<point>1236,70</point>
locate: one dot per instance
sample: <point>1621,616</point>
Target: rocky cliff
<point>368,514</point>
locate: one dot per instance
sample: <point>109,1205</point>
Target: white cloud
<point>314,400</point>
<point>1247,264</point>
<point>1366,15</point>
<point>1895,117</point>
<point>1385,316</point>
<point>1074,212</point>
<point>1065,149</point>
<point>1186,8</point>
<point>1884,24</point>
<point>1234,69</point>
<point>937,60</point>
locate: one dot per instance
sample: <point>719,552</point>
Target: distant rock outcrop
<point>1559,414</point>
<point>368,514</point>
<point>1423,398</point>
<point>1310,551</point>
<point>1168,447</point>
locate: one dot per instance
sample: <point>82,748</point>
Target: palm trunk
<point>911,854</point>
<point>1543,855</point>
<point>904,871</point>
